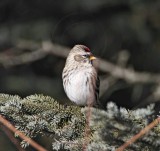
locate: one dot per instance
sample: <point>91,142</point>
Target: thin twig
<point>87,129</point>
<point>21,135</point>
<point>140,134</point>
<point>12,138</point>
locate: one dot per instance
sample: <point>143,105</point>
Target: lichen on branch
<point>38,114</point>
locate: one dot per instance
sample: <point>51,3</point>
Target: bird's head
<point>81,54</point>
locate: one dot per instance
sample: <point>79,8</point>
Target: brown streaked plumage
<point>80,79</point>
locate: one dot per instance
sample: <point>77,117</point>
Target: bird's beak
<point>92,57</point>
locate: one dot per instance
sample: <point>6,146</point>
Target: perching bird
<point>80,79</point>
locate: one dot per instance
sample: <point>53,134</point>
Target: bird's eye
<point>86,56</point>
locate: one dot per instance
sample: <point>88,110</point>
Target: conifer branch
<point>38,114</point>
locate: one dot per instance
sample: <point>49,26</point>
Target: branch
<point>24,58</point>
<point>76,128</point>
<point>118,72</point>
<point>47,47</point>
<point>140,134</point>
<point>11,137</point>
<point>20,134</point>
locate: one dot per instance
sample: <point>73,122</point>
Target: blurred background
<point>124,33</point>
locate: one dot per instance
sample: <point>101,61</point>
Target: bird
<point>80,78</point>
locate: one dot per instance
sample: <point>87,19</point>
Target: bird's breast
<point>78,87</point>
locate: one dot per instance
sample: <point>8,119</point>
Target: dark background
<point>108,27</point>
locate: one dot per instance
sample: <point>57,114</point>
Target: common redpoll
<point>80,79</point>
